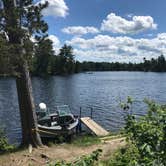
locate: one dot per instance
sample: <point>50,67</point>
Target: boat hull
<point>54,131</point>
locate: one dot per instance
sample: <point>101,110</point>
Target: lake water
<point>103,91</point>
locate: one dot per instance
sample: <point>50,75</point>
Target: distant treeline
<point>63,65</point>
<point>43,61</point>
<point>46,63</point>
<point>154,65</point>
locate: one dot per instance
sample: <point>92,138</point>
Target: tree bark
<point>27,108</point>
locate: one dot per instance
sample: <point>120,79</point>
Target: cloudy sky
<point>108,30</point>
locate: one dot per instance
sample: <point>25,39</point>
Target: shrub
<point>146,138</point>
<point>149,134</point>
<point>126,156</point>
<point>4,145</point>
<point>87,160</point>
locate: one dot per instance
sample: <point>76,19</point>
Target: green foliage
<point>149,134</point>
<point>4,55</point>
<point>127,106</point>
<point>155,65</point>
<point>66,60</point>
<point>87,160</point>
<point>146,138</point>
<point>46,63</point>
<point>42,59</point>
<point>20,20</point>
<point>4,145</point>
<point>64,63</point>
<point>86,141</point>
<point>126,156</point>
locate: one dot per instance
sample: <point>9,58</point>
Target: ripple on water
<point>101,90</point>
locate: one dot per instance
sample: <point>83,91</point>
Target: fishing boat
<point>61,122</point>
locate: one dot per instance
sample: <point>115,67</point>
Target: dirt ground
<point>67,152</point>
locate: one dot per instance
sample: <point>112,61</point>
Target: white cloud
<point>130,15</point>
<point>117,24</point>
<point>56,43</point>
<point>32,39</point>
<point>79,30</point>
<point>56,8</point>
<point>162,36</point>
<point>122,48</point>
<point>54,39</point>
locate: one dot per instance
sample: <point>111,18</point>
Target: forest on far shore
<point>43,61</point>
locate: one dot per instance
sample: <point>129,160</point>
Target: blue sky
<point>108,30</point>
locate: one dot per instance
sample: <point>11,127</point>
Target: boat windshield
<point>63,110</point>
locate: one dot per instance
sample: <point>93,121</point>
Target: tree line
<point>44,62</point>
<point>47,63</point>
<point>152,65</point>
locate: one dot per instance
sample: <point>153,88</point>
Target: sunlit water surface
<point>103,91</point>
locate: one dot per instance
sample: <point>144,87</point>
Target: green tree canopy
<point>42,60</point>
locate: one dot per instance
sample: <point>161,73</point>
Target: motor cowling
<point>43,107</point>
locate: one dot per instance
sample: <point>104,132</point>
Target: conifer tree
<point>19,20</point>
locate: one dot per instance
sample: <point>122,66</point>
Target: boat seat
<point>65,121</point>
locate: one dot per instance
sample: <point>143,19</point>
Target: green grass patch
<point>86,140</point>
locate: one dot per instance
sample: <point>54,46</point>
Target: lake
<point>103,91</point>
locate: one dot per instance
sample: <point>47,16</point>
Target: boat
<point>60,123</point>
<point>88,72</point>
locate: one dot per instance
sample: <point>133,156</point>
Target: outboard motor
<point>43,110</point>
<point>43,107</point>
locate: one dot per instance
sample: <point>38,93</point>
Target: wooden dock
<point>94,127</point>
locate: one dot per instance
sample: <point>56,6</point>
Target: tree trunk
<point>24,88</point>
<point>27,108</point>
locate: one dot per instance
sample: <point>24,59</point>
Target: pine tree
<point>67,59</point>
<point>20,19</point>
<point>43,54</point>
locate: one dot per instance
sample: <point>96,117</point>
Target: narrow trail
<point>67,152</point>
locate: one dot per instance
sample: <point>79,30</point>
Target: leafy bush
<point>126,156</point>
<point>88,160</point>
<point>4,145</point>
<point>146,138</point>
<point>149,134</point>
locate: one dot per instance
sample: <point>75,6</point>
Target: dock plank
<point>94,127</point>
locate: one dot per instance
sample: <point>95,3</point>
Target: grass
<point>86,140</point>
<point>81,140</point>
<point>80,151</point>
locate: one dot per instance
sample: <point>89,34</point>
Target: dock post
<point>91,112</point>
<point>80,112</point>
<point>79,123</point>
